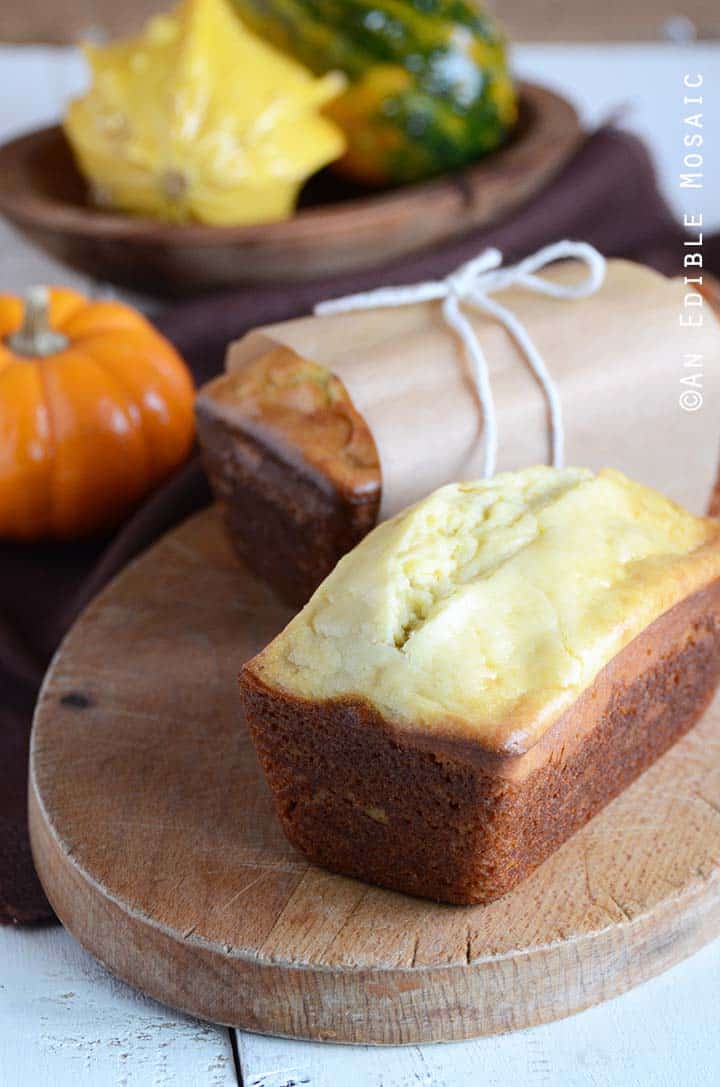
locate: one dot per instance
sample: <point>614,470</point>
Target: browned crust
<point>423,815</point>
<point>301,407</point>
<point>294,467</point>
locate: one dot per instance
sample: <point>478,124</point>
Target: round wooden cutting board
<point>156,841</point>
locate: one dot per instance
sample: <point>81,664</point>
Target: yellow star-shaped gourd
<point>199,119</point>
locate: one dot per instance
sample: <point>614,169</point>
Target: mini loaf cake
<point>482,674</point>
<point>293,465</point>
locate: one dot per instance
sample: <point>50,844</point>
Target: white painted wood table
<point>64,1020</point>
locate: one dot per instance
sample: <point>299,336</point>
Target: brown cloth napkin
<point>607,195</point>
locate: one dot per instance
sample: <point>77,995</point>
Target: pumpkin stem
<point>35,338</point>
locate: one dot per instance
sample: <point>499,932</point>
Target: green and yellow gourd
<point>430,89</point>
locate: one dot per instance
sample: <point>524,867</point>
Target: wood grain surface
<point>337,228</point>
<point>155,837</point>
<point>65,1022</point>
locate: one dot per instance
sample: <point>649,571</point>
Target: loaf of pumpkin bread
<point>293,466</point>
<point>482,674</point>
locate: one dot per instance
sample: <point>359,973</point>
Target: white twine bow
<point>473,284</point>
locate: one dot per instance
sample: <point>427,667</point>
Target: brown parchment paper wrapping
<point>621,360</point>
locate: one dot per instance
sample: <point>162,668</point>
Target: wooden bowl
<point>337,228</point>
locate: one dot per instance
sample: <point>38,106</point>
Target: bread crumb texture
<point>487,608</point>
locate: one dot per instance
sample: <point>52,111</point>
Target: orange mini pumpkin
<point>96,408</point>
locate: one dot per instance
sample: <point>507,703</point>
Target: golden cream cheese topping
<point>487,608</point>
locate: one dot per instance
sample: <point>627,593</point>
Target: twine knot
<point>473,284</point>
